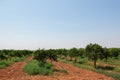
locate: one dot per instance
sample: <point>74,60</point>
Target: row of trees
<point>8,54</point>
<point>91,51</point>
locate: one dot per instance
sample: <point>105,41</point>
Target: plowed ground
<point>15,72</point>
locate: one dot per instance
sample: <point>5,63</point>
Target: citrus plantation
<point>93,62</point>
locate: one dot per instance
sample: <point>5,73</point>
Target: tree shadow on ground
<point>81,62</point>
<point>106,67</point>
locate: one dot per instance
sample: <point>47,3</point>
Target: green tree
<point>114,52</point>
<point>4,54</point>
<point>74,53</point>
<point>93,52</point>
<point>105,54</point>
<point>81,52</point>
<point>41,55</point>
<point>52,55</point>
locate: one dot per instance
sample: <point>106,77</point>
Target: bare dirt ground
<point>15,72</point>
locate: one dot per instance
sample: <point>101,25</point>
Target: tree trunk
<point>106,59</point>
<point>95,64</point>
<point>75,60</point>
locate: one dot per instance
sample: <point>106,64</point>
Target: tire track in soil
<point>15,72</point>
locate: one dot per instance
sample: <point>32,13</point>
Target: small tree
<point>114,52</point>
<point>41,55</point>
<point>81,52</point>
<point>105,54</point>
<point>93,52</point>
<point>74,53</point>
<point>52,55</point>
<point>4,54</point>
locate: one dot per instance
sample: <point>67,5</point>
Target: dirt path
<point>15,72</point>
<point>75,73</point>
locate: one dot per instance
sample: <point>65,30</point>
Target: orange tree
<point>43,55</point>
<point>94,52</point>
<point>52,55</point>
<point>105,54</point>
<point>74,53</point>
<point>114,52</point>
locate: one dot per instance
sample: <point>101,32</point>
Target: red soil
<point>15,72</point>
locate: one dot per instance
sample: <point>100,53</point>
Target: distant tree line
<point>91,51</point>
<point>8,54</point>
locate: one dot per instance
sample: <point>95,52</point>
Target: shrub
<point>35,67</point>
<point>17,59</point>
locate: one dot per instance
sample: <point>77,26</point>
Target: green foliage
<point>61,53</point>
<point>8,54</point>
<point>43,55</point>
<point>94,52</point>
<point>81,52</point>
<point>4,64</point>
<point>3,54</point>
<point>74,53</point>
<point>7,57</point>
<point>115,52</point>
<point>52,55</point>
<point>32,67</point>
<point>17,59</point>
<point>35,67</point>
<point>105,54</point>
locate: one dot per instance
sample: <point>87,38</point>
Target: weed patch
<point>4,64</point>
<point>35,67</point>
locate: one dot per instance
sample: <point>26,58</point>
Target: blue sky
<point>33,24</point>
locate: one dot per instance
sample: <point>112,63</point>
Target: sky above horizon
<point>33,24</point>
